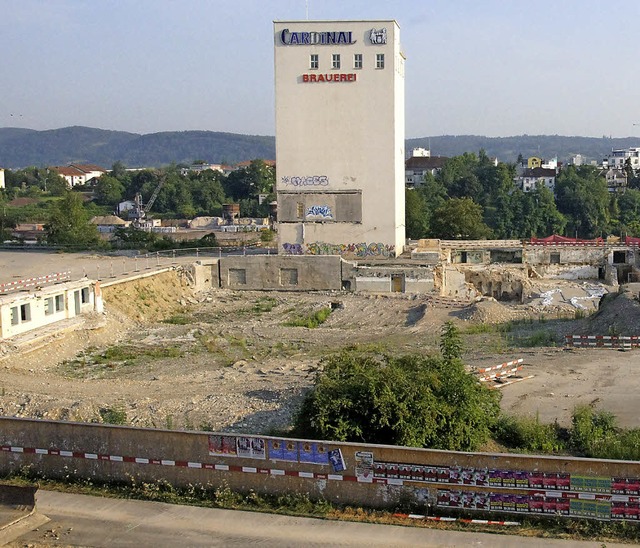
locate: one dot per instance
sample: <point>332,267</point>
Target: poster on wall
<point>224,446</point>
<point>336,460</point>
<point>253,448</point>
<point>283,450</point>
<point>364,466</point>
<point>313,452</point>
<point>380,469</point>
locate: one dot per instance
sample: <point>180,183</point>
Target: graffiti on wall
<point>321,211</point>
<point>306,180</point>
<point>293,249</point>
<point>358,250</point>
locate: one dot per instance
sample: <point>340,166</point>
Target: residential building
<point>339,88</point>
<point>616,180</point>
<point>419,165</point>
<point>529,179</point>
<point>79,174</point>
<point>619,158</point>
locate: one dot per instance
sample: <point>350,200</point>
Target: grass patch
<point>113,415</point>
<point>177,319</point>
<point>314,320</point>
<point>538,338</point>
<point>113,360</point>
<point>264,304</point>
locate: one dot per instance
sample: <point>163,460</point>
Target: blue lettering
<point>312,38</point>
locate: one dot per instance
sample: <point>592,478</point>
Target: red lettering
<point>343,77</point>
<point>320,78</point>
<point>313,77</point>
<point>305,77</point>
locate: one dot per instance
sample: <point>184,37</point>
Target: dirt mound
<point>151,299</point>
<point>489,310</point>
<point>619,314</point>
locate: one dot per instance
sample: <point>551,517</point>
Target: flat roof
<point>336,21</point>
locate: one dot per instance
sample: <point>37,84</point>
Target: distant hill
<point>27,147</point>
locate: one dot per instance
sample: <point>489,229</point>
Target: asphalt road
<point>80,520</point>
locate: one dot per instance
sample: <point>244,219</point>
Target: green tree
<point>109,190</point>
<point>416,220</point>
<point>459,218</point>
<point>582,196</point>
<point>248,182</point>
<point>450,343</point>
<point>69,224</point>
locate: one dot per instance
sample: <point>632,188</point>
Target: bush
<point>593,432</point>
<point>528,434</point>
<point>412,400</point>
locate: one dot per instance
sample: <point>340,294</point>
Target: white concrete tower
<point>339,88</point>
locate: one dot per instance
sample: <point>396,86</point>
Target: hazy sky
<point>491,67</point>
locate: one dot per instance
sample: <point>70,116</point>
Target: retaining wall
<point>346,473</point>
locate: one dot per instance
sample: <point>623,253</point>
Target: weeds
<point>314,320</point>
<point>93,364</point>
<point>264,304</point>
<point>177,319</point>
<point>113,415</point>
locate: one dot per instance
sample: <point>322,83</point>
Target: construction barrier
<point>602,341</point>
<point>35,282</point>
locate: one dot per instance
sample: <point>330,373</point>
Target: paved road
<point>80,520</point>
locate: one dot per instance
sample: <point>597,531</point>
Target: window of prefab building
<point>379,60</point>
<point>335,61</point>
<point>85,295</point>
<point>15,317</point>
<point>59,303</point>
<point>25,312</point>
<point>48,306</point>
<point>314,61</point>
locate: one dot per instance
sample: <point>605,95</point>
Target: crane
<point>140,210</point>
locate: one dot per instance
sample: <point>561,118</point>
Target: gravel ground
<point>226,361</point>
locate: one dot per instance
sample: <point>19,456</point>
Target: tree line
<point>471,198</point>
<point>182,194</point>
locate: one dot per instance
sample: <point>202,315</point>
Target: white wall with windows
<point>24,311</point>
<point>340,133</point>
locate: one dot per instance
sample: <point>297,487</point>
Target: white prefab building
<point>339,88</point>
<point>26,311</point>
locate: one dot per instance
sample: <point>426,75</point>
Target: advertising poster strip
<point>224,446</point>
<point>313,452</point>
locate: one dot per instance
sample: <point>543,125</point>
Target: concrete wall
<point>273,272</point>
<point>403,279</point>
<point>565,255</point>
<point>345,473</point>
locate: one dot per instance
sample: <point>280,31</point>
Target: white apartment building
<point>619,157</point>
<point>339,88</point>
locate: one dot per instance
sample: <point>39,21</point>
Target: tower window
<point>314,61</point>
<point>379,60</point>
<point>357,61</point>
<point>335,61</point>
